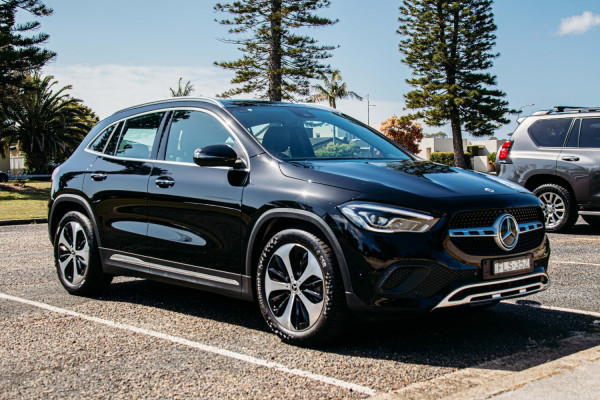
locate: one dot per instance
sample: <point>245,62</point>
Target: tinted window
<point>191,130</point>
<point>137,136</point>
<point>102,139</point>
<point>590,133</point>
<point>574,136</point>
<point>550,132</point>
<point>308,133</point>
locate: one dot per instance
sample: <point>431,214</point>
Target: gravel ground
<point>48,355</point>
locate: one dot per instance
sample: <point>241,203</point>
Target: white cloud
<point>578,24</point>
<point>109,88</point>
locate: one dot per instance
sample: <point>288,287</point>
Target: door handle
<point>98,176</point>
<point>570,158</point>
<point>164,182</point>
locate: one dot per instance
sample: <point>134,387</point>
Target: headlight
<point>387,219</point>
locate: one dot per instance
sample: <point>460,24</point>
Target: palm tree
<point>47,124</point>
<point>333,88</point>
<point>182,90</point>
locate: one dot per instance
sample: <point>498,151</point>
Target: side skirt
<point>210,280</point>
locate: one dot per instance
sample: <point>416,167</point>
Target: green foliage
<point>337,150</point>
<point>21,54</point>
<point>491,158</point>
<point>47,124</point>
<point>277,63</point>
<point>447,158</point>
<point>332,89</point>
<point>448,45</point>
<point>440,134</point>
<point>184,90</point>
<point>473,149</point>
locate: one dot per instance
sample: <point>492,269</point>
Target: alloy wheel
<point>554,208</point>
<point>294,287</point>
<point>73,253</point>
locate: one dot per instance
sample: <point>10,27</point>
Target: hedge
<point>447,158</point>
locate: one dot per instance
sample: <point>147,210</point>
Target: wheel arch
<point>273,221</point>
<point>66,203</point>
<point>537,180</point>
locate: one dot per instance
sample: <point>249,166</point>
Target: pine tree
<point>277,63</point>
<point>21,54</point>
<point>448,45</point>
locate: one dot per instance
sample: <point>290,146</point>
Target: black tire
<point>3,177</point>
<point>77,258</point>
<point>592,220</point>
<point>305,287</point>
<point>560,208</point>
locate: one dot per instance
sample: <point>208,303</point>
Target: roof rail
<point>575,109</point>
<point>174,100</point>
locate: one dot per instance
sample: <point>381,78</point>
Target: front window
<point>303,133</point>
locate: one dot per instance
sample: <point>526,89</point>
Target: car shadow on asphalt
<point>452,338</point>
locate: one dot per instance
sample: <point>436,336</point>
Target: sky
<point>121,53</point>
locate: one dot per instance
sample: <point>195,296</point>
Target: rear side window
<point>102,139</point>
<point>137,136</point>
<point>590,133</point>
<point>550,132</point>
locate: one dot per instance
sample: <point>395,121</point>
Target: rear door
<point>579,161</point>
<point>195,212</point>
<point>117,183</point>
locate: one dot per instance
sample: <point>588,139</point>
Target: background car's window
<point>300,133</point>
<point>138,136</point>
<point>102,139</point>
<point>550,132</point>
<point>574,136</point>
<point>191,130</point>
<point>590,133</point>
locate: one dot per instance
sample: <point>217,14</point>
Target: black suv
<point>556,154</point>
<point>301,208</point>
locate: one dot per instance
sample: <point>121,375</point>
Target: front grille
<point>486,218</point>
<point>486,246</point>
<point>438,278</point>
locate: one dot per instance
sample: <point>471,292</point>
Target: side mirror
<point>219,155</point>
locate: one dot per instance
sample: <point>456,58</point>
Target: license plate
<point>493,269</point>
<point>502,267</point>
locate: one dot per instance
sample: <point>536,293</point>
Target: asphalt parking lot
<point>151,340</point>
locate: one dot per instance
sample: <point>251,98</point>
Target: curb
<point>8,222</point>
<point>505,374</point>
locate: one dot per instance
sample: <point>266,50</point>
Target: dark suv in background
<point>556,154</point>
<point>301,208</point>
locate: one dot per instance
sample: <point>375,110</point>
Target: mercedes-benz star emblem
<point>507,232</point>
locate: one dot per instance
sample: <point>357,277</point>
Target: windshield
<point>307,133</point>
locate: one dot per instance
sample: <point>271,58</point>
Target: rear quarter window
<point>550,132</point>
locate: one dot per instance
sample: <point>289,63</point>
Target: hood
<point>418,178</point>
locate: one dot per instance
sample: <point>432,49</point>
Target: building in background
<point>480,161</point>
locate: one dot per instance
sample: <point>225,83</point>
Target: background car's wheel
<point>558,205</point>
<point>3,177</point>
<point>299,287</point>
<point>76,256</point>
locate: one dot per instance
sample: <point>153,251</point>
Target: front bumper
<point>394,273</point>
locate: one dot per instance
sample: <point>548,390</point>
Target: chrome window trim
<point>226,124</point>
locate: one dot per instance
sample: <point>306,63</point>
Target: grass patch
<point>24,201</point>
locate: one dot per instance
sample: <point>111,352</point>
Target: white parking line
<point>196,345</point>
<point>570,310</point>
<point>575,262</point>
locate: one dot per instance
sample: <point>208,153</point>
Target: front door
<point>195,212</point>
